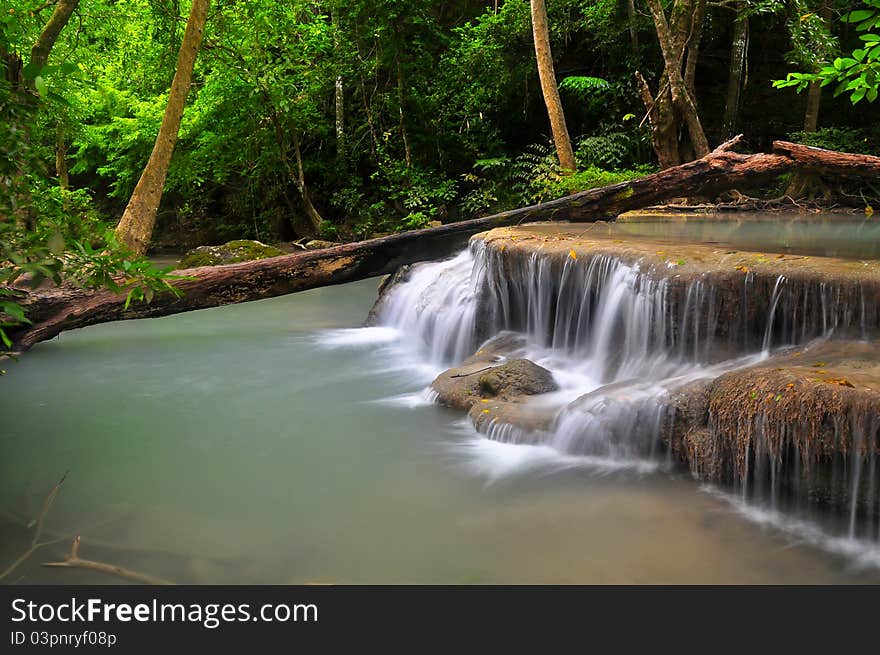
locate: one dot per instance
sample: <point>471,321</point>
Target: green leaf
<point>858,15</point>
<point>31,71</point>
<point>40,84</point>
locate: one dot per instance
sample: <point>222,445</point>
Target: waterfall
<point>620,337</point>
<point>608,317</point>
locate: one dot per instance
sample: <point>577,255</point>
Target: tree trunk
<point>674,37</point>
<point>631,22</point>
<point>66,308</point>
<point>546,74</point>
<point>136,226</point>
<point>60,160</point>
<point>693,46</point>
<point>45,42</point>
<point>315,218</point>
<point>401,102</point>
<point>739,50</point>
<point>814,99</point>
<point>338,89</point>
<point>339,101</point>
<point>663,121</point>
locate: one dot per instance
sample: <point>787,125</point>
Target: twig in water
<point>38,522</point>
<point>74,561</point>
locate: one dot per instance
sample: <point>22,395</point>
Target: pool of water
<point>855,236</point>
<point>272,443</point>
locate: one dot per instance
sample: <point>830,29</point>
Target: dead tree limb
<point>74,561</point>
<point>37,524</point>
<point>65,308</point>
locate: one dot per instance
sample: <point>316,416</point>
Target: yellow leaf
<point>485,411</point>
<point>572,254</point>
<point>869,211</point>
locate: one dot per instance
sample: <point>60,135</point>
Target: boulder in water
<point>520,422</point>
<point>476,380</point>
<point>240,250</point>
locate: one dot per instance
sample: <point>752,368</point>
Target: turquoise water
<point>273,442</point>
<point>854,236</point>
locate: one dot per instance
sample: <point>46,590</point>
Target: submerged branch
<point>74,561</point>
<point>38,523</point>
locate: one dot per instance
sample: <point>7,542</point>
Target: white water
<point>617,341</point>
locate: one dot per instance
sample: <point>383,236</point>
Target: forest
<point>620,238</point>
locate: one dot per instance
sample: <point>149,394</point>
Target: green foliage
<point>612,148</point>
<point>854,140</point>
<point>857,74</point>
<point>584,87</point>
<point>534,176</point>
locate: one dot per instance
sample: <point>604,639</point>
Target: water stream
<point>279,442</point>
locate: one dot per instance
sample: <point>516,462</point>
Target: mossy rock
<point>509,380</point>
<point>516,377</point>
<point>232,252</point>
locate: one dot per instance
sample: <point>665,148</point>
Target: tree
<point>739,55</point>
<point>541,34</point>
<point>136,226</point>
<point>674,103</point>
<point>43,47</point>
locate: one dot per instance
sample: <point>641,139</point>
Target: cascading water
<point>618,339</point>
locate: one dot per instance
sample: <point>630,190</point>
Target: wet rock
<point>505,345</point>
<point>462,386</point>
<point>520,422</point>
<point>241,250</point>
<point>804,422</point>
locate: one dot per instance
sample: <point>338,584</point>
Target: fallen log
<point>64,308</point>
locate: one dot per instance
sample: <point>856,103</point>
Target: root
<point>74,561</point>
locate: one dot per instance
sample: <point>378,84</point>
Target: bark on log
<point>66,308</point>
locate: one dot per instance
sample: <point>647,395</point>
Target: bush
<point>844,139</point>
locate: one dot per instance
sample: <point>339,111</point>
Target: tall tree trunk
<point>739,54</point>
<point>401,102</point>
<point>16,200</point>
<point>374,139</point>
<point>814,100</point>
<point>60,160</point>
<point>315,218</point>
<point>814,92</point>
<point>546,74</point>
<point>339,101</point>
<point>43,47</point>
<point>338,89</point>
<point>136,226</point>
<point>663,121</point>
<point>672,45</point>
<point>631,22</point>
<point>693,47</point>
